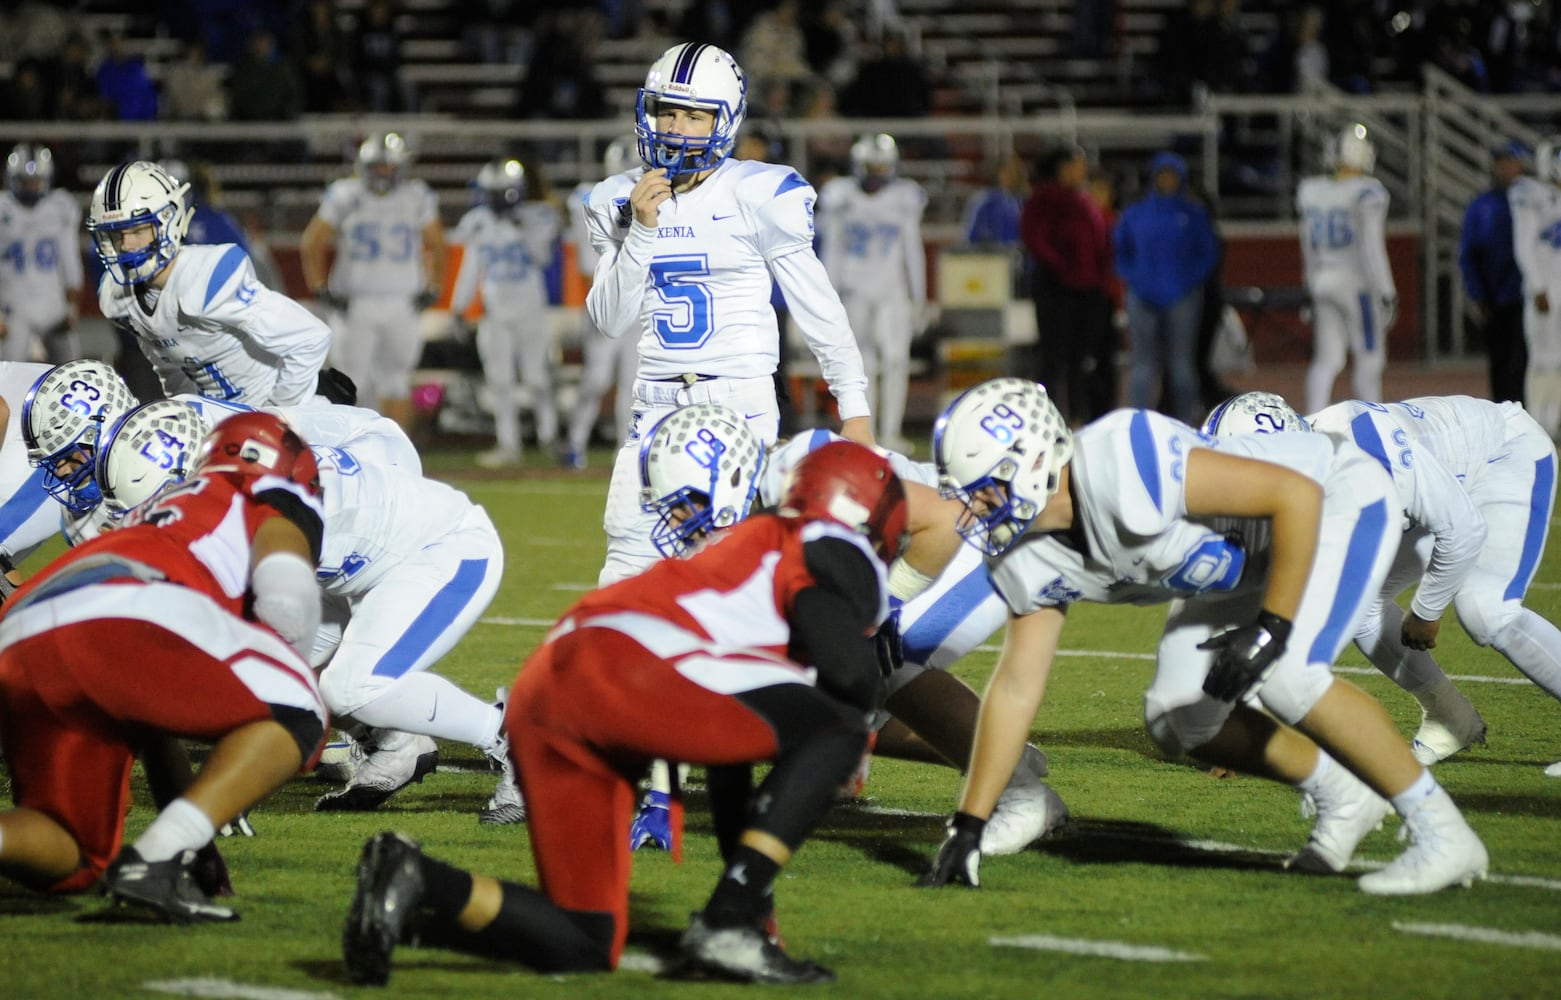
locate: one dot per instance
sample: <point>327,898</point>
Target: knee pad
<point>1292,690</point>
<point>1485,616</point>
<point>1179,729</point>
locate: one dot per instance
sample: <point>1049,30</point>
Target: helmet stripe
<point>111,187</point>
<point>685,64</point>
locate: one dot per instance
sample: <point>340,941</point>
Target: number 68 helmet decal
<point>1000,449</point>
<point>699,471</point>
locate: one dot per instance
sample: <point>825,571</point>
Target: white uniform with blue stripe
<point>28,514</point>
<point>1345,264</point>
<point>40,270</point>
<point>407,566</point>
<point>1141,547</point>
<point>505,256</point>
<point>695,291</point>
<point>1485,474</point>
<point>215,330</point>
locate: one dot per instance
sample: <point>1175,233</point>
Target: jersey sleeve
<point>233,298</point>
<point>539,232</point>
<point>915,204</point>
<point>625,249</point>
<point>289,500</point>
<point>426,202</point>
<point>336,203</point>
<point>1133,473</point>
<point>784,219</point>
<point>1372,214</point>
<point>70,248</point>
<point>468,233</point>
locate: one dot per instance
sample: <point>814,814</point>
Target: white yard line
<point>227,989</point>
<point>1483,935</point>
<point>1120,950</point>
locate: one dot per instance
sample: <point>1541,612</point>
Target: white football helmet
<point>29,172</point>
<point>147,450</point>
<point>622,154</point>
<point>1253,413</point>
<point>502,185</point>
<point>130,196</point>
<point>699,471</point>
<point>875,158</point>
<point>1004,437</point>
<point>64,417</point>
<point>691,75</point>
<point>1356,150</point>
<point>382,160</point>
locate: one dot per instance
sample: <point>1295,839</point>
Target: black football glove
<point>1245,656</point>
<point>425,298</point>
<point>211,872</point>
<point>959,859</point>
<point>889,645</point>
<point>336,386</point>
<point>331,301</point>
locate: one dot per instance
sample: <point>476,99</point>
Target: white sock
<point>430,705</point>
<point>1534,647</point>
<point>1312,782</point>
<point>1423,788</point>
<point>181,826</point>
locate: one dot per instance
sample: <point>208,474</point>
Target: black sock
<point>446,890</point>
<point>744,894</point>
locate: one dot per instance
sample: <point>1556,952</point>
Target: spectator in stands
<point>718,22</point>
<point>891,84</point>
<point>1070,249</point>
<point>831,40</point>
<point>1094,28</point>
<point>25,97</point>
<point>497,31</point>
<point>992,214</point>
<point>1350,35</point>
<point>73,84</point>
<point>37,30</point>
<point>1491,278</point>
<point>319,49</point>
<point>193,89</point>
<point>263,86</point>
<point>123,85</point>
<point>376,59</point>
<point>561,81</point>
<point>828,152</point>
<point>774,48</point>
<point>1165,250</point>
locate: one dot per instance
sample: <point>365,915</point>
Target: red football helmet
<point>853,485</point>
<point>258,444</point>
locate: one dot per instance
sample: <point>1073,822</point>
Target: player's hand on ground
<point>959,859</point>
<point>1542,302</point>
<point>653,188</point>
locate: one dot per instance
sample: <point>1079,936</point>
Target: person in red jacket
<point>1066,235</point>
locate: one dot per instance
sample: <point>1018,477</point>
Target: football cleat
<point>1347,810</point>
<point>1554,770</point>
<point>507,806</point>
<point>745,954</point>
<point>166,887</point>
<point>1439,738</point>
<point>499,458</point>
<point>1027,810</point>
<point>653,823</point>
<point>400,760</point>
<point>1443,852</point>
<point>239,826</point>
<point>341,758</point>
<point>384,909</point>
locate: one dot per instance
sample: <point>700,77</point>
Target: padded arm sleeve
<point>287,598</point>
<point>831,622</point>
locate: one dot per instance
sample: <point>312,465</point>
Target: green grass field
<point>1169,883</point>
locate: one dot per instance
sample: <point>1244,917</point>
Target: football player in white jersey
<point>201,317</point>
<point>389,266</point>
<point>27,516</point>
<point>40,259</point>
<point>1536,246</point>
<point>689,247</point>
<point>608,362</point>
<point>1270,548</point>
<point>510,237</point>
<point>870,241</point>
<point>1345,267</point>
<point>407,566</point>
<point>1477,480</point>
<point>702,470</point>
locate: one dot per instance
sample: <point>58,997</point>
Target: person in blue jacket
<point>1491,278</point>
<point>1165,250</point>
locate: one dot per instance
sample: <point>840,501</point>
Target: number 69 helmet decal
<point>1000,449</point>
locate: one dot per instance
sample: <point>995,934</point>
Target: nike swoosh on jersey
<point>722,218</point>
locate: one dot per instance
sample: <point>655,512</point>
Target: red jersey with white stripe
<point>738,590</point>
<point>198,535</point>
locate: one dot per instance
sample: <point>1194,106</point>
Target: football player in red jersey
<point>207,593</point>
<point>760,646</point>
